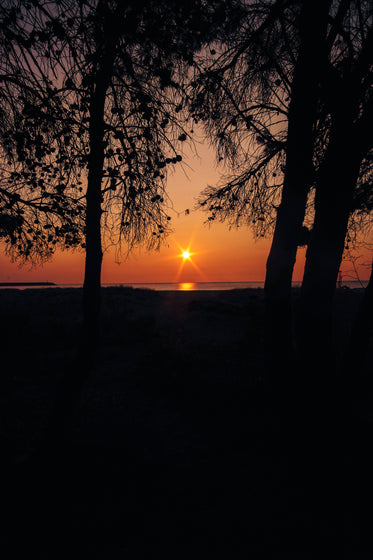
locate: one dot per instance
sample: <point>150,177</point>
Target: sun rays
<point>186,255</point>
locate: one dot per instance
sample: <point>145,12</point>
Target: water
<point>189,286</point>
<point>177,286</point>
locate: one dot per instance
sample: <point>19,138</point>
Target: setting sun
<point>186,253</point>
<point>187,264</point>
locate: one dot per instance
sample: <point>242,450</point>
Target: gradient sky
<point>218,254</point>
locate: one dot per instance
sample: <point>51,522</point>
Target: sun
<point>186,256</point>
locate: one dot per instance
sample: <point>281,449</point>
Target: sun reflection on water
<point>186,286</point>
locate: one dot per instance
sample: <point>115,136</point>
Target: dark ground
<point>179,448</point>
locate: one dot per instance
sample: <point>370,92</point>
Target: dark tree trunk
<point>297,182</point>
<point>93,262</point>
<point>92,275</point>
<point>333,202</point>
<point>70,386</point>
<point>280,264</point>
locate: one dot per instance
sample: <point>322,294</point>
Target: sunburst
<point>186,255</point>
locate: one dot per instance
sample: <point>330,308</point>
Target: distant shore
<point>27,284</point>
<point>175,286</point>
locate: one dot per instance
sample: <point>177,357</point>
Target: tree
<point>297,177</point>
<point>347,94</point>
<point>91,95</point>
<point>265,89</point>
<point>267,104</point>
<point>110,94</point>
<point>107,85</point>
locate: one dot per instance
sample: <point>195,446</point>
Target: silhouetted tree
<point>298,175</point>
<point>266,102</point>
<point>262,99</point>
<point>97,102</point>
<point>108,90</point>
<point>347,93</point>
<point>108,77</point>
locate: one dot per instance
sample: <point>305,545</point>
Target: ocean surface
<point>175,286</point>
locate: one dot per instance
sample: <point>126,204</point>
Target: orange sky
<point>220,254</point>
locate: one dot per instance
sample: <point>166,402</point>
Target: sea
<point>173,286</point>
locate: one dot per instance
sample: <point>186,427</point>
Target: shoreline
<point>25,284</point>
<point>173,287</point>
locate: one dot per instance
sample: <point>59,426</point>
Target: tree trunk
<point>280,264</point>
<point>69,388</point>
<point>92,275</point>
<point>333,202</point>
<point>297,182</point>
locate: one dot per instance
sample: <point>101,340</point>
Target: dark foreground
<point>179,447</point>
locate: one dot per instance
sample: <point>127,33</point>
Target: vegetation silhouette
<point>96,96</point>
<point>348,103</point>
<point>38,211</point>
<point>102,85</point>
<point>270,102</point>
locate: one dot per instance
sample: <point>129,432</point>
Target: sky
<point>217,253</point>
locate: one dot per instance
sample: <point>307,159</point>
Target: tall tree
<point>109,83</point>
<point>266,100</point>
<point>347,89</point>
<point>260,101</point>
<point>298,175</point>
<point>108,77</point>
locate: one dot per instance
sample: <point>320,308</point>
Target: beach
<point>177,446</point>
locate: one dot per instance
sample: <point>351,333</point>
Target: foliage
<point>241,94</point>
<point>34,217</point>
<point>39,206</point>
<point>53,55</point>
